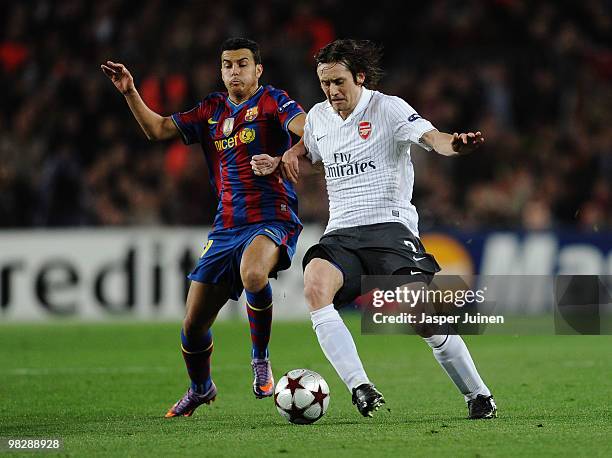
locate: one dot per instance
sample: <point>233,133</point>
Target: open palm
<point>119,75</point>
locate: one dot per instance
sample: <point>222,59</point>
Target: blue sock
<point>197,360</point>
<point>259,309</point>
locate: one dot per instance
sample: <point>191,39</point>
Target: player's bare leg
<point>322,280</point>
<point>203,304</point>
<point>258,260</point>
<point>453,355</point>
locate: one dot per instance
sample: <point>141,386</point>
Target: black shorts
<point>375,249</point>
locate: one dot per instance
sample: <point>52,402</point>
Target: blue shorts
<point>220,259</point>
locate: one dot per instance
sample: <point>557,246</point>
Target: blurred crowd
<point>534,77</point>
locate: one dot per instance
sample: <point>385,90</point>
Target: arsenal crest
<point>228,126</point>
<point>365,129</point>
<point>250,114</point>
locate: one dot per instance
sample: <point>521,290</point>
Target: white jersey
<point>368,170</point>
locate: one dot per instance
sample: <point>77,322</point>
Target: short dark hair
<point>231,44</point>
<point>359,56</point>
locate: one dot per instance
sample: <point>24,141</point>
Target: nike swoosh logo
<point>319,138</point>
<point>418,259</point>
<point>266,387</point>
<point>212,121</point>
<point>415,272</point>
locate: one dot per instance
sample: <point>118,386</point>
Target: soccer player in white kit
<point>363,139</point>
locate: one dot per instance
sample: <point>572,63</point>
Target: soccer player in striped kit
<point>255,231</point>
<point>363,139</point>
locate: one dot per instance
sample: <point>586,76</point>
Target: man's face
<point>240,73</point>
<point>339,86</point>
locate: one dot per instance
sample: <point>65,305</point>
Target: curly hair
<point>359,56</point>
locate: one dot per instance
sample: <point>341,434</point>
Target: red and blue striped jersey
<point>230,136</point>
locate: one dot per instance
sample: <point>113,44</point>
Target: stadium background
<point>533,76</point>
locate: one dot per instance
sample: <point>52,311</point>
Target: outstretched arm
<point>451,145</point>
<point>155,126</point>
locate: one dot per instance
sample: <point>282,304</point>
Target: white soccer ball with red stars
<point>301,396</point>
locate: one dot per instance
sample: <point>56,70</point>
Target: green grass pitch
<point>104,388</point>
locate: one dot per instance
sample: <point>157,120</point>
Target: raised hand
<point>466,143</point>
<point>120,76</point>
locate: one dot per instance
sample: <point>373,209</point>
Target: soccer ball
<point>301,396</point>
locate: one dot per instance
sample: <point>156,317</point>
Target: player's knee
<point>198,319</point>
<point>254,278</point>
<point>310,293</point>
<point>193,327</point>
<point>318,290</point>
<point>423,330</point>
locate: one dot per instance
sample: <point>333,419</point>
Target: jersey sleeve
<point>287,108</point>
<point>409,127</point>
<point>190,123</point>
<point>309,140</point>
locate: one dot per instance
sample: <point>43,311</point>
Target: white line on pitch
<point>84,370</point>
<point>34,371</point>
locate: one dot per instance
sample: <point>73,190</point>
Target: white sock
<point>338,346</point>
<point>455,359</point>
